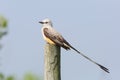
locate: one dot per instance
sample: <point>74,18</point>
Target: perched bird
<point>51,36</point>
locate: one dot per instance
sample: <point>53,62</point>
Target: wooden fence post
<point>52,62</point>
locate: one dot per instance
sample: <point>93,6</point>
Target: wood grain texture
<point>52,62</point>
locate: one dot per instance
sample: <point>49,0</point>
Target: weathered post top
<point>52,62</point>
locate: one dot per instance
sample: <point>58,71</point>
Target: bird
<point>53,37</point>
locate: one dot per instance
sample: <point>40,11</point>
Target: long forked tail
<point>102,67</point>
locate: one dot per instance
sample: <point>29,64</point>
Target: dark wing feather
<point>55,37</point>
<point>60,41</point>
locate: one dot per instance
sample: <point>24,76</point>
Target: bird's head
<point>46,22</point>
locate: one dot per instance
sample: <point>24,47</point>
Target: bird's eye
<point>46,22</point>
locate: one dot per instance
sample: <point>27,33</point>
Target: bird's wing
<point>59,40</point>
<point>56,37</point>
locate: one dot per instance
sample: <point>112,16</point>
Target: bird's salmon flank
<point>50,41</point>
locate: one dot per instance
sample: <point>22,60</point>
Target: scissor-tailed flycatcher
<point>53,37</point>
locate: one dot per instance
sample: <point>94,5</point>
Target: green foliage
<point>1,76</point>
<point>10,78</point>
<point>3,26</point>
<point>3,22</point>
<point>30,76</point>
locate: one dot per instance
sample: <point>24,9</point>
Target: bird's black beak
<point>41,22</point>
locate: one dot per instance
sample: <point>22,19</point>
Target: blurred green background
<point>28,76</point>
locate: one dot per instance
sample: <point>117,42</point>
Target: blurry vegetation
<point>10,78</point>
<point>3,32</point>
<point>3,22</point>
<point>3,27</point>
<point>2,77</point>
<point>28,76</point>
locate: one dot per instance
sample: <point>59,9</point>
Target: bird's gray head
<point>46,22</point>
